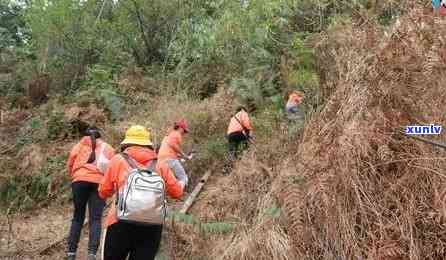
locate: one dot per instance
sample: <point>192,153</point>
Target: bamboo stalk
<point>190,200</point>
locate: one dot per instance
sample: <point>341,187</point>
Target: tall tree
<point>12,25</point>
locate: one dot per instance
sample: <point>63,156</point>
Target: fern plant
<point>101,87</point>
<point>205,228</point>
<point>216,228</point>
<point>112,101</point>
<point>21,192</point>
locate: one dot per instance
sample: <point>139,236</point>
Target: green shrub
<point>215,147</point>
<point>111,101</point>
<point>216,228</point>
<point>54,164</point>
<point>181,217</point>
<point>100,77</point>
<point>273,211</point>
<point>389,14</point>
<point>247,90</point>
<point>305,79</point>
<point>33,131</point>
<point>204,227</point>
<point>57,126</point>
<point>22,141</point>
<point>39,186</point>
<point>266,121</point>
<point>101,88</point>
<point>21,192</point>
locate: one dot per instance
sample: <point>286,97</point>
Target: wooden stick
<point>190,200</point>
<point>426,141</point>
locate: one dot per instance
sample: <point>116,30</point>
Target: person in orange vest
<point>122,239</point>
<point>171,151</point>
<point>439,7</point>
<point>239,131</point>
<point>442,9</point>
<point>86,165</point>
<point>293,110</point>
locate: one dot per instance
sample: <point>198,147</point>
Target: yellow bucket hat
<point>138,135</point>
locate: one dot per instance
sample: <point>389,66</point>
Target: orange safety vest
<point>293,100</point>
<point>79,169</point>
<point>239,123</point>
<point>166,151</point>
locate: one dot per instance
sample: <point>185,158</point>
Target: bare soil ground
<point>33,231</point>
<point>25,236</point>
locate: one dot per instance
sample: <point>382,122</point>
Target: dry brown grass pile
<point>264,238</point>
<point>244,200</point>
<point>225,199</point>
<point>236,196</point>
<point>205,118</point>
<point>355,189</point>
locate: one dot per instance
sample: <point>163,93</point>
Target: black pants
<point>138,241</point>
<point>237,143</point>
<point>86,193</point>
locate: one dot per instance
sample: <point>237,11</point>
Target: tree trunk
<point>143,33</point>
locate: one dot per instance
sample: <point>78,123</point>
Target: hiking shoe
<point>91,257</point>
<point>227,168</point>
<point>71,256</point>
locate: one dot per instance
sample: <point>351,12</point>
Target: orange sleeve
<point>109,182</point>
<point>72,158</point>
<point>246,121</point>
<point>109,151</point>
<point>173,187</point>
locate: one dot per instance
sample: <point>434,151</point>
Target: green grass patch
<point>21,192</point>
<point>213,227</point>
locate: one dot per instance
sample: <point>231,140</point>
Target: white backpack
<point>142,199</point>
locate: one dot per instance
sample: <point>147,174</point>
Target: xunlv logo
<point>423,129</point>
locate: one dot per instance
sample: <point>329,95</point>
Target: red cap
<point>182,123</point>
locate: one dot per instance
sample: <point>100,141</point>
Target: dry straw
<point>355,190</point>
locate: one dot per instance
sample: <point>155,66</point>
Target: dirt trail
<point>27,233</point>
<point>31,233</point>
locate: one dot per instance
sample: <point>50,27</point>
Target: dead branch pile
<point>264,238</point>
<point>355,189</point>
<point>236,196</point>
<point>244,201</point>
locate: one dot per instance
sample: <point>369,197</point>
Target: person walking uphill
<point>171,152</point>
<point>128,234</point>
<point>239,131</point>
<point>439,7</point>
<point>293,110</point>
<point>86,165</point>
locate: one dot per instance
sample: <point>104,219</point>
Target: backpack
<point>442,10</point>
<point>142,198</point>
